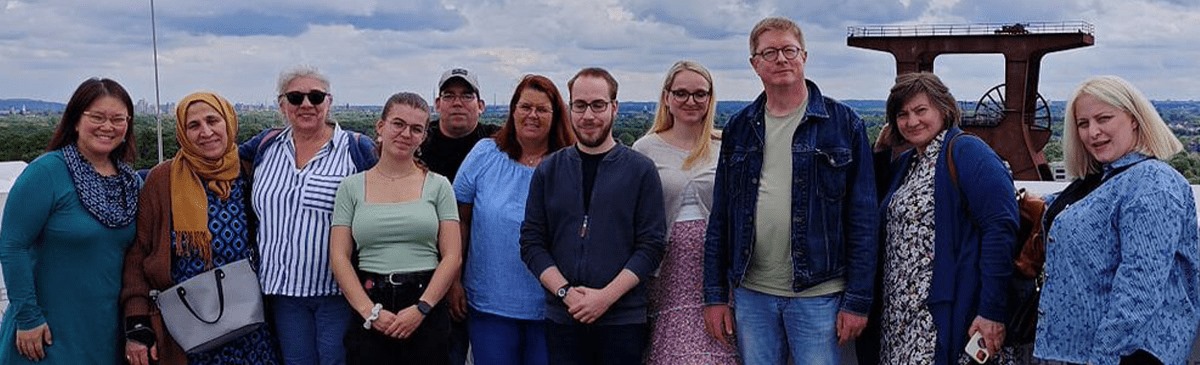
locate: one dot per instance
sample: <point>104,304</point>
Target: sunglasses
<point>316,97</point>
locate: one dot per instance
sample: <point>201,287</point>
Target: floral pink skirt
<point>677,334</point>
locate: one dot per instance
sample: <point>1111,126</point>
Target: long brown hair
<point>561,134</point>
<point>87,93</point>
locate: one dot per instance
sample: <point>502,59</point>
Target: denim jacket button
<point>754,181</point>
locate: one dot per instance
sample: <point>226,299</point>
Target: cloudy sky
<point>372,48</point>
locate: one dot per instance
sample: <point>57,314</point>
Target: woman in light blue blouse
<point>506,301</point>
<point>1122,255</point>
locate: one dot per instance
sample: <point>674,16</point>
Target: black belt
<point>398,278</point>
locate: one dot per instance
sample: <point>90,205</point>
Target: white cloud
<point>371,48</point>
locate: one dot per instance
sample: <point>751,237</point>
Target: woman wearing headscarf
<point>193,215</point>
<point>67,223</point>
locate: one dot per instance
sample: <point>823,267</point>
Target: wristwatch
<point>424,307</point>
<point>561,293</point>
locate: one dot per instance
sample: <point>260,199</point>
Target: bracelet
<point>374,315</point>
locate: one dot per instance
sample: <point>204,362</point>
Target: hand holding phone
<point>976,349</point>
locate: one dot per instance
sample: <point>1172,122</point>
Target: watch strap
<point>424,307</point>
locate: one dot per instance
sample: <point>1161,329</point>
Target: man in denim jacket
<point>792,235</point>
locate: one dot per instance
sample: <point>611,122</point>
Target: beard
<point>603,136</point>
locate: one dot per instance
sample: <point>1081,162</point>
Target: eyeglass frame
<point>597,106</point>
<point>97,118</point>
<point>689,95</point>
<point>401,126</point>
<point>315,97</point>
<point>771,54</point>
<point>529,109</point>
<point>464,97</point>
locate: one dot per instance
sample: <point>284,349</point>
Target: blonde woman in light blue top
<point>1122,256</point>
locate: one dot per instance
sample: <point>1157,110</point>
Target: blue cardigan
<point>974,236</point>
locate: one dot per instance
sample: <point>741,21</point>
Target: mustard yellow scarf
<point>189,202</point>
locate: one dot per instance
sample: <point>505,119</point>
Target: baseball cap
<point>461,73</point>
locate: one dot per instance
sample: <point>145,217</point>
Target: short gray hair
<point>287,76</point>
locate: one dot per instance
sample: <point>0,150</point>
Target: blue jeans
<point>769,326</point>
<point>311,329</point>
<point>506,341</point>
<point>579,344</point>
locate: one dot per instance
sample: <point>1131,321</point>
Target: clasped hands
<point>399,325</point>
<point>586,305</point>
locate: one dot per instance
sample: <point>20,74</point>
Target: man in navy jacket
<point>593,233</point>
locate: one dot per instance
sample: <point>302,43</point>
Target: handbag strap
<point>219,276</point>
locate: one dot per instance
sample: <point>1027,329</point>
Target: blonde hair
<point>775,23</point>
<point>702,150</point>
<point>1153,136</point>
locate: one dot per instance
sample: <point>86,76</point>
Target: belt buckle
<point>392,279</point>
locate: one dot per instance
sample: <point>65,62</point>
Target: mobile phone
<point>976,350</point>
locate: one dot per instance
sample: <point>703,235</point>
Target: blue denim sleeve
<point>862,225</point>
<point>716,237</point>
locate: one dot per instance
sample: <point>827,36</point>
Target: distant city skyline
<point>372,49</point>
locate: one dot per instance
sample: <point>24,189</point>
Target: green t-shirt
<point>770,268</point>
<point>395,237</point>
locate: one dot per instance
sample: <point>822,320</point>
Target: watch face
<point>562,292</point>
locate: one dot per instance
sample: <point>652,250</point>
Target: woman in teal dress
<point>67,222</point>
<point>193,215</point>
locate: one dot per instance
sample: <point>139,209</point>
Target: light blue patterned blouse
<point>1122,270</point>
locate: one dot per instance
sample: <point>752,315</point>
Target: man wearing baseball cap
<point>450,138</point>
<point>457,129</point>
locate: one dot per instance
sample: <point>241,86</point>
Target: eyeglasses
<point>528,109</point>
<point>316,97</point>
<point>772,54</point>
<point>681,96</point>
<point>597,106</point>
<point>399,125</point>
<point>466,98</point>
<point>100,118</point>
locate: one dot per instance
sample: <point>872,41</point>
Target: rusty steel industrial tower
<point>1012,117</point>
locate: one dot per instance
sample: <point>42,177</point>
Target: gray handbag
<point>212,308</point>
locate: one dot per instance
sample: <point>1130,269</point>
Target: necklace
<point>394,178</point>
<point>532,161</point>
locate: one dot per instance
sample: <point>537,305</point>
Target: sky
<point>371,49</point>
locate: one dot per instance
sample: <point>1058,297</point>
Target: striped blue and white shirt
<point>295,209</point>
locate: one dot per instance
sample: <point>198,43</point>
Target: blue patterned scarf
<point>112,200</point>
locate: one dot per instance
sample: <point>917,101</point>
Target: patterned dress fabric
<point>230,242</point>
<point>678,336</point>
<point>908,332</point>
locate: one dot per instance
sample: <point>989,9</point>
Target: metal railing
<point>970,29</point>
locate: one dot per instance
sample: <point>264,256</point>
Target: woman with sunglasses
<point>401,221</point>
<point>67,222</point>
<point>506,302</point>
<point>296,172</point>
<point>192,217</point>
<point>683,145</point>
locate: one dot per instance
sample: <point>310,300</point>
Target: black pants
<point>579,344</point>
<point>429,344</point>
